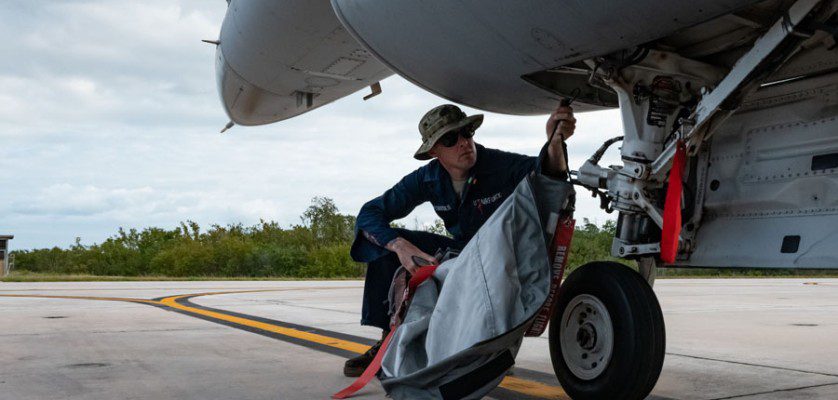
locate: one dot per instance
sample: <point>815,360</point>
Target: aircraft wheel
<point>607,335</point>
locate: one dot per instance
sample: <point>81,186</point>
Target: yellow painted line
<point>145,301</point>
<point>515,384</point>
<point>126,299</point>
<point>533,388</point>
<point>523,386</point>
<point>310,337</point>
<point>44,296</point>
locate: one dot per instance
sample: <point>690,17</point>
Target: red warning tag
<point>672,206</point>
<point>559,251</point>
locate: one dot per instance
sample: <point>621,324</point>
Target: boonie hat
<point>438,122</point>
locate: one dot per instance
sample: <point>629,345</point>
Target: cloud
<point>67,200</point>
<point>95,63</point>
<point>109,117</point>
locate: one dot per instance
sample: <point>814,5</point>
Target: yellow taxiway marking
<point>310,337</point>
<point>519,385</point>
<point>44,296</point>
<point>533,388</point>
<point>515,384</point>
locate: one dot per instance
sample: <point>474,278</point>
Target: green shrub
<point>187,258</point>
<point>279,260</point>
<point>592,243</point>
<point>319,248</point>
<point>332,262</point>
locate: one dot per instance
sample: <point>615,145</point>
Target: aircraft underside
<point>761,177</point>
<point>748,90</point>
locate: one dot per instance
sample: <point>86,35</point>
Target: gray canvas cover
<point>465,324</point>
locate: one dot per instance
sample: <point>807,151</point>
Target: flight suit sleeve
<point>521,165</point>
<point>542,158</point>
<point>372,227</point>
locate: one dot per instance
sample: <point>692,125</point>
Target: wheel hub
<point>587,337</point>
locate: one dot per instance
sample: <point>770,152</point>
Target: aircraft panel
<point>772,179</point>
<point>475,52</point>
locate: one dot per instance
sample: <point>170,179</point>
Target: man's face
<point>461,156</point>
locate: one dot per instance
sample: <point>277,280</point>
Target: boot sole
<point>353,372</point>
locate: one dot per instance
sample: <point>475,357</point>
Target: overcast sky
<point>109,117</point>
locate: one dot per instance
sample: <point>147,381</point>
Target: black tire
<point>639,334</point>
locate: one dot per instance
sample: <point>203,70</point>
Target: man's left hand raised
<point>563,124</point>
<point>563,117</point>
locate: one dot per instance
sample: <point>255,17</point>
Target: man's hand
<point>563,117</point>
<point>563,124</point>
<point>406,251</point>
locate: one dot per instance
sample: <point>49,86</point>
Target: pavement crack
<point>754,365</point>
<point>776,391</point>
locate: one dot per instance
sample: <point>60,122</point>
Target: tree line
<point>316,248</point>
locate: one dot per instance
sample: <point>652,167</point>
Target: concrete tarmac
<point>726,339</point>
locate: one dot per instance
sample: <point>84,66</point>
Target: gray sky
<point>109,117</point>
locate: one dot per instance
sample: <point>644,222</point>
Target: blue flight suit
<point>492,179</point>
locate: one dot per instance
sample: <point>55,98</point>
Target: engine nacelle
<point>280,58</point>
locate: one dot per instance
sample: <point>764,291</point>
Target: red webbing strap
<point>421,275</point>
<point>368,374</point>
<point>559,249</point>
<point>672,206</point>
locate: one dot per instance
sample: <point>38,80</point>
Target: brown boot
<point>354,367</point>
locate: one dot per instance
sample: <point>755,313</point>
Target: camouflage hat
<point>438,122</point>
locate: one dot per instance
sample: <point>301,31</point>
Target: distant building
<point>4,253</point>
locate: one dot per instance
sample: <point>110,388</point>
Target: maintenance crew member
<point>465,182</point>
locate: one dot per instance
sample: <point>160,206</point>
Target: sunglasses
<point>451,138</point>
